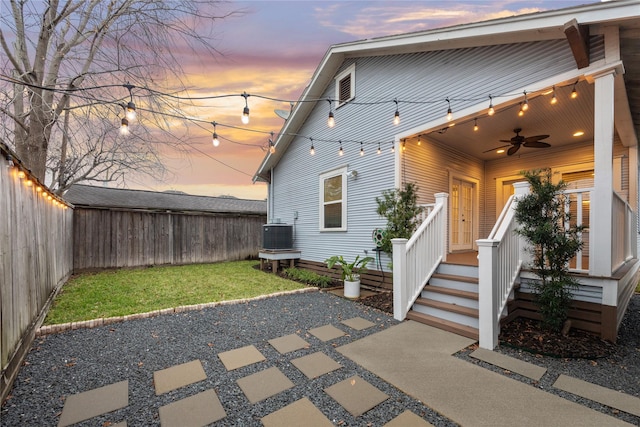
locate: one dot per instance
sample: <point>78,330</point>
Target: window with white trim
<point>346,85</point>
<point>333,200</point>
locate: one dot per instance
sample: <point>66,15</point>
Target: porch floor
<point>463,258</point>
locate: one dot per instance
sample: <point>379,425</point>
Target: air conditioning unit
<point>277,236</point>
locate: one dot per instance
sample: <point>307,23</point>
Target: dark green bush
<point>308,277</point>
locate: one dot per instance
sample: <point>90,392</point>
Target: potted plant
<point>350,273</point>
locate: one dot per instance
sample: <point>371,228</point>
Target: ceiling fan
<point>517,141</point>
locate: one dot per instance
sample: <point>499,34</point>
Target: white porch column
<point>602,200</point>
<point>443,198</point>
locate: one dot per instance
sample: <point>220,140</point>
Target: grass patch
<point>122,292</point>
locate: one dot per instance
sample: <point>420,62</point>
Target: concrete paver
<point>301,413</point>
<point>597,393</point>
<point>327,332</point>
<point>356,395</point>
<point>358,323</point>
<point>288,343</point>
<point>240,357</point>
<point>194,411</point>
<point>264,384</point>
<point>408,419</point>
<point>316,364</point>
<point>521,367</point>
<point>178,376</point>
<point>91,403</point>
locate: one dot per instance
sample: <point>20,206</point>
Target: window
<point>346,85</point>
<point>333,200</point>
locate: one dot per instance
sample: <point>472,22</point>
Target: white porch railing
<point>624,220</point>
<point>416,259</point>
<point>500,258</point>
<point>427,208</point>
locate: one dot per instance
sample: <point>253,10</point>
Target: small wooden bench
<point>277,255</point>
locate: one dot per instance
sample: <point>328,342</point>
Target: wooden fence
<point>111,238</point>
<point>35,260</point>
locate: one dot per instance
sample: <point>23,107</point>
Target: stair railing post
<point>487,298</point>
<point>443,199</point>
<point>400,292</point>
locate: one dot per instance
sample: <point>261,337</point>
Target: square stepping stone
<point>288,343</point>
<point>301,413</point>
<point>89,404</point>
<point>326,333</point>
<point>408,419</point>
<point>264,384</point>
<point>316,364</point>
<point>358,323</point>
<point>244,356</point>
<point>356,395</point>
<point>194,411</point>
<point>178,376</point>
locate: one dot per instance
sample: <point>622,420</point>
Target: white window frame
<point>342,171</point>
<point>351,70</point>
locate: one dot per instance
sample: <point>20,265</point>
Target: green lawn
<point>122,292</point>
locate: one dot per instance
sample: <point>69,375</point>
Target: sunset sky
<point>272,49</point>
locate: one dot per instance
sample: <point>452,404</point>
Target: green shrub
<point>308,277</point>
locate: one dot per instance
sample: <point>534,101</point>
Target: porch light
<point>578,133</point>
<point>475,125</point>
<point>554,100</point>
<point>491,111</point>
<point>525,104</point>
<point>331,122</point>
<point>521,112</point>
<point>500,151</point>
<point>574,92</point>
<point>419,140</point>
<point>449,112</point>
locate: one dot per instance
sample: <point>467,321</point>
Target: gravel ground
<point>62,364</point>
<point>620,371</point>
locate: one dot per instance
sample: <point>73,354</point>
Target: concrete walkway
<point>463,392</point>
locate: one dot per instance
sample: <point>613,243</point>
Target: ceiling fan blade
<point>497,148</point>
<point>535,138</point>
<point>506,140</point>
<point>536,144</point>
<point>513,150</point>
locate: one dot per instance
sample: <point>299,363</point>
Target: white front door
<point>462,214</point>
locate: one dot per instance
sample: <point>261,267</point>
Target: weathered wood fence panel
<point>112,238</point>
<point>35,260</point>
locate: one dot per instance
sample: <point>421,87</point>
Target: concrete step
<point>456,328</point>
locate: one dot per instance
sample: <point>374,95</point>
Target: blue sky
<point>272,49</point>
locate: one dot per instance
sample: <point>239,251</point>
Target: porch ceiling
<point>559,121</point>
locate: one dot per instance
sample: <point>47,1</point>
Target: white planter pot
<point>352,289</point>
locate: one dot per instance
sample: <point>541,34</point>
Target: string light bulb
<point>521,111</point>
<point>124,126</point>
<point>245,110</point>
<point>554,99</point>
<point>340,151</point>
<point>419,140</point>
<point>449,112</point>
<point>331,122</point>
<point>491,111</point>
<point>130,109</point>
<point>312,150</point>
<point>379,149</point>
<point>525,104</point>
<point>574,92</point>
<point>475,125</point>
<point>216,141</point>
<point>21,174</point>
<point>404,145</point>
<point>396,116</point>
<point>361,150</point>
<point>393,148</point>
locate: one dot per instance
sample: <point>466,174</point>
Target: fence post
<point>399,278</point>
<point>442,199</point>
<point>488,306</point>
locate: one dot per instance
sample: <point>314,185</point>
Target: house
<point>460,111</point>
<point>114,227</point>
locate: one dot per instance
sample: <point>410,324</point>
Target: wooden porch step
<point>453,292</point>
<point>445,306</point>
<point>455,278</point>
<point>445,325</point>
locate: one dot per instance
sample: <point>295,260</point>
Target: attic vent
<point>345,85</point>
<point>345,89</point>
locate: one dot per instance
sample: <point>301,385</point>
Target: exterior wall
<point>460,74</point>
